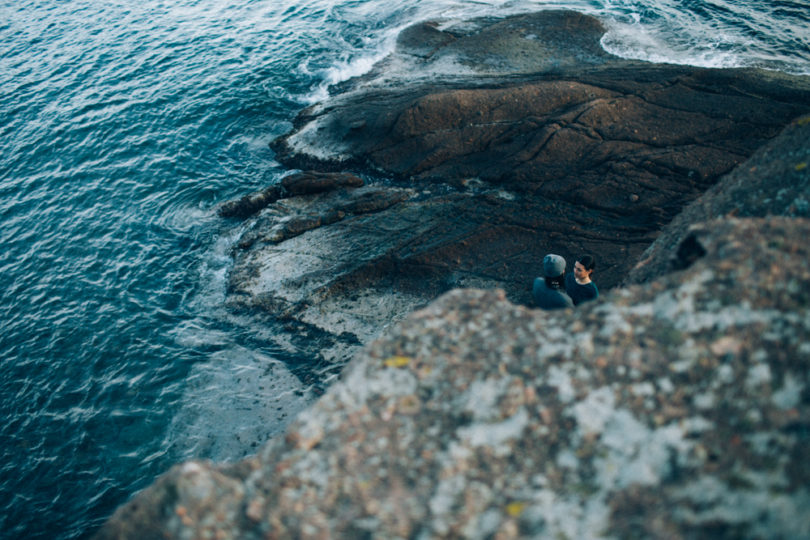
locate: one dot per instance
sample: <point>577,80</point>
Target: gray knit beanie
<point>553,265</point>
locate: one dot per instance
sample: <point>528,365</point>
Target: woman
<point>578,283</point>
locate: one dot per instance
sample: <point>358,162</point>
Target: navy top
<point>580,293</point>
<point>547,298</point>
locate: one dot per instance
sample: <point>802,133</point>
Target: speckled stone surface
<point>679,408</point>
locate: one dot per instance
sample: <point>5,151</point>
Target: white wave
<point>348,69</point>
<point>639,42</point>
<point>662,31</point>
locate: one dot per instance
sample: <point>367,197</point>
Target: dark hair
<point>587,261</point>
<point>557,282</point>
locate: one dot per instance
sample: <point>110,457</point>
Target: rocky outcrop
<point>774,182</point>
<point>301,183</point>
<point>540,142</point>
<point>675,409</point>
<point>677,406</point>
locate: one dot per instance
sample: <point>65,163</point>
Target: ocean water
<point>122,126</point>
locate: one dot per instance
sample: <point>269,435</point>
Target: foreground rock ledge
<point>675,409</point>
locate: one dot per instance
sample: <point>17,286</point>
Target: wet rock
<point>423,39</point>
<point>250,204</point>
<point>300,183</point>
<point>308,182</point>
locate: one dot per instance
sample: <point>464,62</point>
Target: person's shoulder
<point>559,298</point>
<point>547,298</point>
<point>570,280</point>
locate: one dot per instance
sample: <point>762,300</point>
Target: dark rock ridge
<point>301,183</point>
<point>678,408</point>
<point>538,142</point>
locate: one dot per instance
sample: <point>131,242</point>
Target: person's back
<point>549,291</point>
<point>549,296</point>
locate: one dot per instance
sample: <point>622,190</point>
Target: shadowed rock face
<point>541,142</point>
<point>774,182</point>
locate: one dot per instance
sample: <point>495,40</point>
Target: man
<point>548,291</point>
<point>578,283</point>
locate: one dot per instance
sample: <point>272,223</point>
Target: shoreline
<point>468,183</point>
<point>474,414</point>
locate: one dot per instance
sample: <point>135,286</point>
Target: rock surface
<point>774,182</point>
<point>679,408</point>
<point>539,142</point>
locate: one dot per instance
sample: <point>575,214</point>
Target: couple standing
<point>558,290</point>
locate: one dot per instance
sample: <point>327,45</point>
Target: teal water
<point>122,126</point>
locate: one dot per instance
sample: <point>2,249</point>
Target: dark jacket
<point>580,293</point>
<point>547,298</point>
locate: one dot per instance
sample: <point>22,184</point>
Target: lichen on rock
<point>476,416</point>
